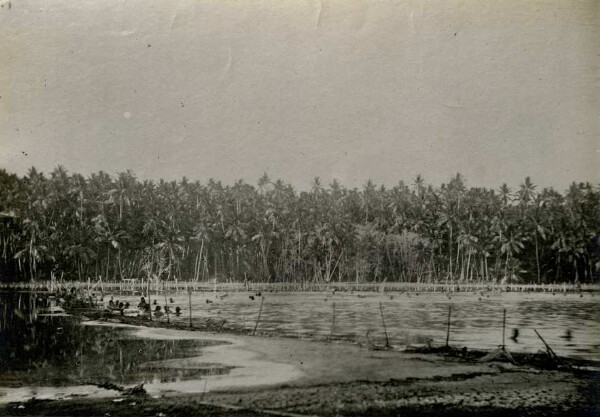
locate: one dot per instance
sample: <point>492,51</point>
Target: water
<point>570,323</point>
<point>65,353</point>
<point>63,359</point>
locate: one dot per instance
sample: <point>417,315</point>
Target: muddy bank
<point>132,407</point>
<point>505,394</point>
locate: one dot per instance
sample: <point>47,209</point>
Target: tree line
<point>77,228</point>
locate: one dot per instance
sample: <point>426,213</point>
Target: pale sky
<point>351,89</point>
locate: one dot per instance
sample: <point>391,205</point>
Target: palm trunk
<point>450,248</point>
<point>469,266</point>
<point>537,260</point>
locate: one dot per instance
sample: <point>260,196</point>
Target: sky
<point>347,89</point>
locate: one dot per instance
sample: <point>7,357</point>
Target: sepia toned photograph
<point>300,208</point>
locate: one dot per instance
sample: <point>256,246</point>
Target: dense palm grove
<point>76,228</point>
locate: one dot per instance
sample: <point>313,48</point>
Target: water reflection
<point>58,351</point>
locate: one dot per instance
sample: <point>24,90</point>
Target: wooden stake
<point>387,340</point>
<point>259,313</point>
<point>448,328</point>
<point>332,323</point>
<point>190,304</point>
<point>221,326</point>
<point>166,305</point>
<point>548,348</point>
<point>149,302</point>
<point>503,328</point>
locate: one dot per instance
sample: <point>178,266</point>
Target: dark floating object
<point>568,335</point>
<point>515,335</point>
<point>251,297</point>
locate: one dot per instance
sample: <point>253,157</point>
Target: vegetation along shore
<point>68,227</point>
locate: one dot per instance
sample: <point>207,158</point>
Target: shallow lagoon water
<point>569,323</point>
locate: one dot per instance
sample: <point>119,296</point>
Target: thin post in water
<point>166,305</point>
<point>448,327</point>
<point>149,302</point>
<point>259,313</point>
<point>221,326</point>
<point>503,328</point>
<point>190,304</point>
<point>332,323</point>
<point>387,340</point>
<point>548,348</point>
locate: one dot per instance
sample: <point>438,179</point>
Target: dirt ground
<point>507,393</point>
<point>341,379</point>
